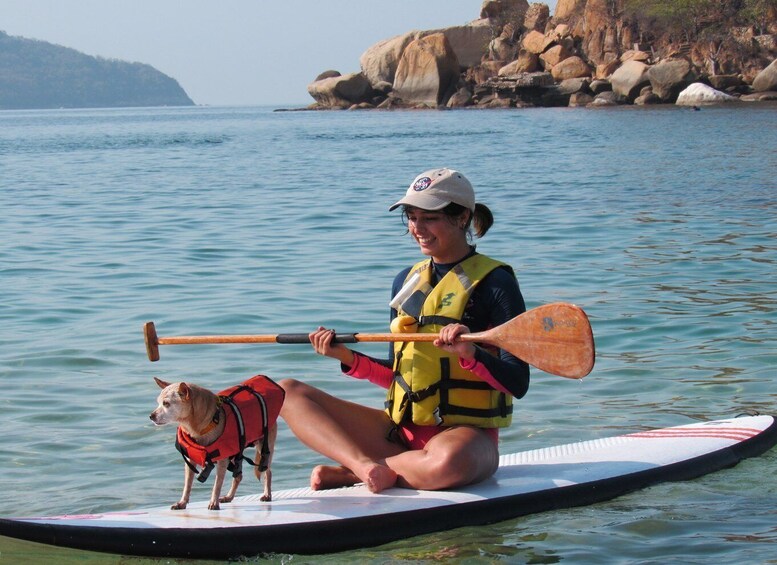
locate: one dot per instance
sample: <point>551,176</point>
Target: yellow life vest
<point>429,381</point>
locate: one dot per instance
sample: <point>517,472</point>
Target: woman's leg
<point>458,456</point>
<point>353,435</point>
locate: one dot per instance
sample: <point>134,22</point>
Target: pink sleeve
<point>481,371</point>
<point>366,368</point>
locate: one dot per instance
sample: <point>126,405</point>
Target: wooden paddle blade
<point>152,341</point>
<point>556,338</point>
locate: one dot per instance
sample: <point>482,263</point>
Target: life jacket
<point>250,408</point>
<point>430,387</point>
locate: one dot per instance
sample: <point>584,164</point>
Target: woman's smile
<point>438,235</point>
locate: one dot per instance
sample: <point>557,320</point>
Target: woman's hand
<point>448,340</point>
<point>323,343</point>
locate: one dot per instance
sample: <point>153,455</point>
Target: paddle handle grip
<point>305,338</point>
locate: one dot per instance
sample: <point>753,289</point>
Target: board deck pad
<point>304,521</point>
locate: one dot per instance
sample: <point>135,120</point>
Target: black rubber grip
<point>304,338</point>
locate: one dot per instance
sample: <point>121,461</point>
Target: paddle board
<point>310,522</point>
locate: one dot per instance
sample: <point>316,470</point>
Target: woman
<point>446,399</point>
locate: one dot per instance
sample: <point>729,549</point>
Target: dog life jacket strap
<point>265,451</point>
<point>203,475</point>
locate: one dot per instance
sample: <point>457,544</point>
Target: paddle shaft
<point>152,341</point>
<point>555,338</point>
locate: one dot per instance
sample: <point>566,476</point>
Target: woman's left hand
<point>448,340</point>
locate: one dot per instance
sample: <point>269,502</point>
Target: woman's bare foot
<point>326,476</point>
<point>376,477</point>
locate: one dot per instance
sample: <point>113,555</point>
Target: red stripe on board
<point>721,433</point>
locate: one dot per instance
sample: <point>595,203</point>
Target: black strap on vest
<point>437,320</point>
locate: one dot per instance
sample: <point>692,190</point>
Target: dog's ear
<point>184,391</point>
<point>161,383</point>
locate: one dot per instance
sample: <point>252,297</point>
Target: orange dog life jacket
<point>250,409</point>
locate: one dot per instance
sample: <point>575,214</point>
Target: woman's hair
<point>480,221</point>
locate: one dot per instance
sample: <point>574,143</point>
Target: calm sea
<point>660,222</point>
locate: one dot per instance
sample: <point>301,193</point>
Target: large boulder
<point>340,91</point>
<point>629,79</point>
<point>769,95</point>
<point>554,56</point>
<point>537,42</point>
<point>469,42</point>
<point>767,79</point>
<point>461,98</point>
<point>607,98</point>
<point>569,68</point>
<point>669,77</point>
<point>525,63</point>
<point>428,72</point>
<point>504,47</point>
<point>509,10</point>
<point>537,17</point>
<point>567,8</point>
<point>379,62</point>
<point>699,94</point>
<point>580,99</point>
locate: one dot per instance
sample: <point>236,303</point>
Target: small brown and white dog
<point>213,430</point>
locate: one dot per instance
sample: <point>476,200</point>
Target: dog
<point>209,431</point>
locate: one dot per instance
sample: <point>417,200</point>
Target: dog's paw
<point>178,506</point>
<point>266,498</point>
<point>214,506</point>
<point>226,499</point>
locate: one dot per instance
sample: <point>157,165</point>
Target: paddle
<point>555,338</point>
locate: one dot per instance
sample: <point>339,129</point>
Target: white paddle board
<point>310,522</point>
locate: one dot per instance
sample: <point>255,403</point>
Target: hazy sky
<point>232,52</point>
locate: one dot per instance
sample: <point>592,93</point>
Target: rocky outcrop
<point>427,73</point>
<point>495,61</point>
<point>340,91</point>
<point>470,42</point>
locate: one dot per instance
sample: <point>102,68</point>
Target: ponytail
<point>482,219</point>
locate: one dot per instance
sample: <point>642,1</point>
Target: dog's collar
<point>215,420</point>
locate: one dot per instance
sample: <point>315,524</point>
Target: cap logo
<point>422,184</point>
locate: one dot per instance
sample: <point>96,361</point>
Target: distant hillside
<point>36,74</point>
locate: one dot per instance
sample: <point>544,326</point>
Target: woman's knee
<point>462,464</point>
<point>291,386</point>
<point>294,391</point>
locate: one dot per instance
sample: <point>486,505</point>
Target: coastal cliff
<point>590,52</point>
<point>39,75</point>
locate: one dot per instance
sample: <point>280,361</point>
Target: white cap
<point>435,189</point>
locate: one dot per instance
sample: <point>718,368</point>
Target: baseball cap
<point>436,188</point>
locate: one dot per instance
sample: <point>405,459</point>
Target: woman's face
<point>439,236</point>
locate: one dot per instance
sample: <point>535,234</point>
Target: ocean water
<point>660,222</point>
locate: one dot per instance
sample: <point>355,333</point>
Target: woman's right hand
<point>323,343</point>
